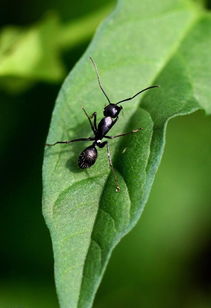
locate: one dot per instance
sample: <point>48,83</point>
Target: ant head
<point>112,110</point>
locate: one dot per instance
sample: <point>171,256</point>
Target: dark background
<point>164,262</point>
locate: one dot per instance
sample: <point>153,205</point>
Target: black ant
<point>88,157</point>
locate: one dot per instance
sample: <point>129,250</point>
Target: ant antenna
<point>128,99</point>
<point>98,78</point>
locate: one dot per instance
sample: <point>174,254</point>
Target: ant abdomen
<point>88,157</point>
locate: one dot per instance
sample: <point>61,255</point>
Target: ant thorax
<point>103,127</point>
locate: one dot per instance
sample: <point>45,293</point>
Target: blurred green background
<point>165,261</point>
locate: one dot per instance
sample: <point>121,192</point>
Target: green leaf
<point>141,43</point>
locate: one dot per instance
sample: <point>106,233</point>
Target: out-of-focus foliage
<point>29,55</point>
<point>161,265</point>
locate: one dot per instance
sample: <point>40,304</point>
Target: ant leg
<point>112,168</point>
<point>70,141</point>
<point>94,115</point>
<point>124,134</point>
<point>90,122</point>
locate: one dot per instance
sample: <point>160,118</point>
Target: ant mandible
<point>88,156</point>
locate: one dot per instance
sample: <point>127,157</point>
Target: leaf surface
<point>141,43</point>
